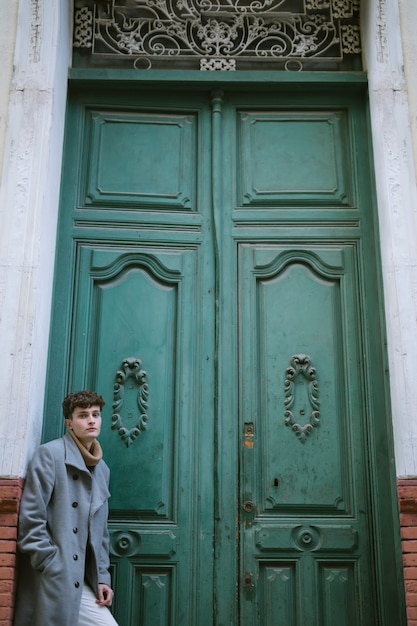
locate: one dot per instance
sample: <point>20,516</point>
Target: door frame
<point>380,442</point>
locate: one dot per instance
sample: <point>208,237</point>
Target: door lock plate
<point>248,434</point>
<point>248,506</point>
<point>248,580</point>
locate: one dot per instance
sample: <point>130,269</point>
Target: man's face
<point>85,424</point>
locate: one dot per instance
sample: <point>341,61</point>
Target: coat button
<point>76,584</point>
<point>75,504</point>
<point>75,530</point>
<point>75,477</point>
<point>75,557</point>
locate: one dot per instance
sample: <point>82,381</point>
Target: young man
<point>63,540</point>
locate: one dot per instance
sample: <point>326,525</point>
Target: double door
<point>217,282</point>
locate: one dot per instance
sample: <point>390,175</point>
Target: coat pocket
<point>52,564</point>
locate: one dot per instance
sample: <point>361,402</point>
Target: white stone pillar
<point>29,198</point>
<point>408,14</point>
<point>7,46</point>
<point>397,208</point>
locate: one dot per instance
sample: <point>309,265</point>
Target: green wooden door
<point>217,281</point>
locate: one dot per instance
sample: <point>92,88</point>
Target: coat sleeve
<point>33,536</point>
<point>104,559</point>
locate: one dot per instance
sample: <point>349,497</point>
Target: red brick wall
<point>407,496</point>
<point>10,494</point>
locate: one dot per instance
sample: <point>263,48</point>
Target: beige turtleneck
<point>92,456</point>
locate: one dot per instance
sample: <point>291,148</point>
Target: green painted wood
<point>133,141</point>
<point>214,248</point>
<point>308,467</point>
<point>247,79</point>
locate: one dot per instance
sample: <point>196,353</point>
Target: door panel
<point>139,354</point>
<point>142,276</point>
<point>126,166</point>
<point>302,465</point>
<point>305,529</point>
<point>292,305</point>
<point>217,282</point>
<point>293,157</point>
<point>129,286</point>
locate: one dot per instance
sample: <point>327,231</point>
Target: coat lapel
<point>100,492</point>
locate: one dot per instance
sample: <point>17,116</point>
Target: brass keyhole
<point>248,581</point>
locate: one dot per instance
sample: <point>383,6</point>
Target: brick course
<point>407,499</point>
<point>10,494</point>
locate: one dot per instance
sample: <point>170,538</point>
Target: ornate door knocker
<point>131,370</point>
<point>300,365</point>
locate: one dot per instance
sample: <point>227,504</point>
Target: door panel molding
<point>131,139</point>
<point>314,171</point>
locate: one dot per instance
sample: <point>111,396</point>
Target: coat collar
<point>73,455</point>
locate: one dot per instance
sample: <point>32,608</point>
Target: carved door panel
<point>310,377</point>
<point>304,509</point>
<point>142,290</point>
<point>142,321</point>
<point>216,275</point>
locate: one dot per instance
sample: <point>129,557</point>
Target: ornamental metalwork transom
<point>292,35</point>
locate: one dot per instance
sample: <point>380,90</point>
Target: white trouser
<point>91,614</point>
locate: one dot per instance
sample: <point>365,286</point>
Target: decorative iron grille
<point>218,34</point>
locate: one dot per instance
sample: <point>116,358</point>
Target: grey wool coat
<point>63,506</point>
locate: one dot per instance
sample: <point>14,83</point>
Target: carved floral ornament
<point>218,34</point>
<point>300,366</point>
<point>130,426</point>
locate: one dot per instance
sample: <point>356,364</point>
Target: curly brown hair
<point>84,399</point>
